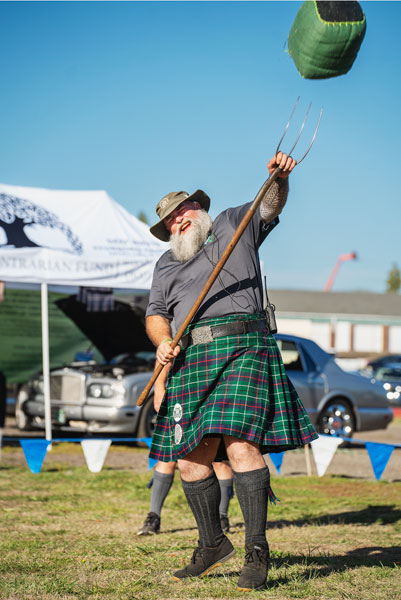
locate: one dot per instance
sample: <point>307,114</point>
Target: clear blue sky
<point>143,98</point>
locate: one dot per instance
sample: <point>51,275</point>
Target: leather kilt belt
<point>207,333</point>
<point>235,385</point>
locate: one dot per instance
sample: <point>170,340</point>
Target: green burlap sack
<point>325,38</point>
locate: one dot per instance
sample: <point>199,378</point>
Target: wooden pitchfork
<point>231,245</point>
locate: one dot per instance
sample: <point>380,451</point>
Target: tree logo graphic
<point>23,221</point>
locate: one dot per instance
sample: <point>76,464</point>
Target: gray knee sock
<point>204,498</point>
<point>227,492</point>
<point>161,486</point>
<point>252,489</point>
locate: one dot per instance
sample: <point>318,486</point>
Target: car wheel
<point>147,420</point>
<point>23,421</point>
<point>337,419</point>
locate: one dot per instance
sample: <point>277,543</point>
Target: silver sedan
<point>338,403</point>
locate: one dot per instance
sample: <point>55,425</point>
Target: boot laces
<point>198,554</point>
<point>256,553</point>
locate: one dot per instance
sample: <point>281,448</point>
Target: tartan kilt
<point>235,385</point>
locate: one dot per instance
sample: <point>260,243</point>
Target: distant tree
<point>393,282</point>
<point>142,217</point>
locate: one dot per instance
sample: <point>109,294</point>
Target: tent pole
<point>45,359</point>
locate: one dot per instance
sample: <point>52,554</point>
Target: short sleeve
<point>157,304</point>
<point>259,228</point>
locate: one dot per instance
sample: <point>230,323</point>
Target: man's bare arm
<point>159,331</point>
<point>276,197</point>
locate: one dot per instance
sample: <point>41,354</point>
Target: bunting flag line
<point>379,455</point>
<point>95,452</point>
<point>35,452</point>
<point>323,450</point>
<point>277,460</point>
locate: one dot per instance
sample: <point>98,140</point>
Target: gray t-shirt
<point>238,289</point>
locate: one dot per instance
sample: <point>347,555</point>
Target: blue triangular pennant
<point>151,461</point>
<point>379,455</point>
<point>277,459</point>
<point>35,452</point>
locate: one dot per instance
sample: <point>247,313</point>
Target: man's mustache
<point>184,224</point>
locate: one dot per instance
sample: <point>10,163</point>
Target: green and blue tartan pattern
<point>235,385</point>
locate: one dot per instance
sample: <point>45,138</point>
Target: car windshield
<point>388,373</point>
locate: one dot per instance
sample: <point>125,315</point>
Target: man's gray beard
<point>185,246</point>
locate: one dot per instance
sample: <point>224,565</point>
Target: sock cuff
<point>252,480</point>
<point>165,477</point>
<point>199,486</point>
<point>226,482</point>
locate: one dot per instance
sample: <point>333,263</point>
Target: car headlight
<point>387,386</point>
<point>390,396</point>
<point>101,390</point>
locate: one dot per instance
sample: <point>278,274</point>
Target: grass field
<point>71,534</point>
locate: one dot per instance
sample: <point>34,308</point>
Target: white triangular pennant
<point>95,452</point>
<point>323,450</point>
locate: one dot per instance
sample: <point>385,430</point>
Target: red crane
<point>341,259</point>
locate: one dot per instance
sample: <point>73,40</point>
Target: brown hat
<point>169,203</point>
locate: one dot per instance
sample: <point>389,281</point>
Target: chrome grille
<point>66,388</point>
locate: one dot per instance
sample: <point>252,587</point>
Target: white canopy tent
<point>71,238</point>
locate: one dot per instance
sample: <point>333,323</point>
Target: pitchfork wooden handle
<point>212,278</point>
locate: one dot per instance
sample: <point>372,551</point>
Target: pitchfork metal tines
<point>300,131</point>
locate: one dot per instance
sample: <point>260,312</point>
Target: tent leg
<point>45,360</point>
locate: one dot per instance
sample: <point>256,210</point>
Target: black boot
<point>206,559</point>
<point>254,572</point>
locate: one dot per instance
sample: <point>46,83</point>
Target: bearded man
<point>227,389</point>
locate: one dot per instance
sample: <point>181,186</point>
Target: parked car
<point>102,398</point>
<point>384,360</point>
<point>97,398</point>
<point>338,403</point>
<point>389,376</point>
<point>92,398</point>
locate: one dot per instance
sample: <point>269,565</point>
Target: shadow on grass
<point>323,566</point>
<point>379,514</point>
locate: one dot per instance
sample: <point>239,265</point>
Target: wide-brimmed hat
<point>169,203</point>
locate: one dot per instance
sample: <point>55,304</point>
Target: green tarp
<point>21,335</point>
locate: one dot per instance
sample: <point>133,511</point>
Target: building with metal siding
<point>356,325</point>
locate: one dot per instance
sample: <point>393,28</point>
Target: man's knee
<point>198,463</point>
<point>192,471</point>
<point>243,455</point>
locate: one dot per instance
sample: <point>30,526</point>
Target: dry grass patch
<point>71,534</point>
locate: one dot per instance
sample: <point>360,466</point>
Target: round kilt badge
<point>177,434</point>
<point>177,416</point>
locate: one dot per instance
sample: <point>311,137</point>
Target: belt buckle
<point>202,335</point>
